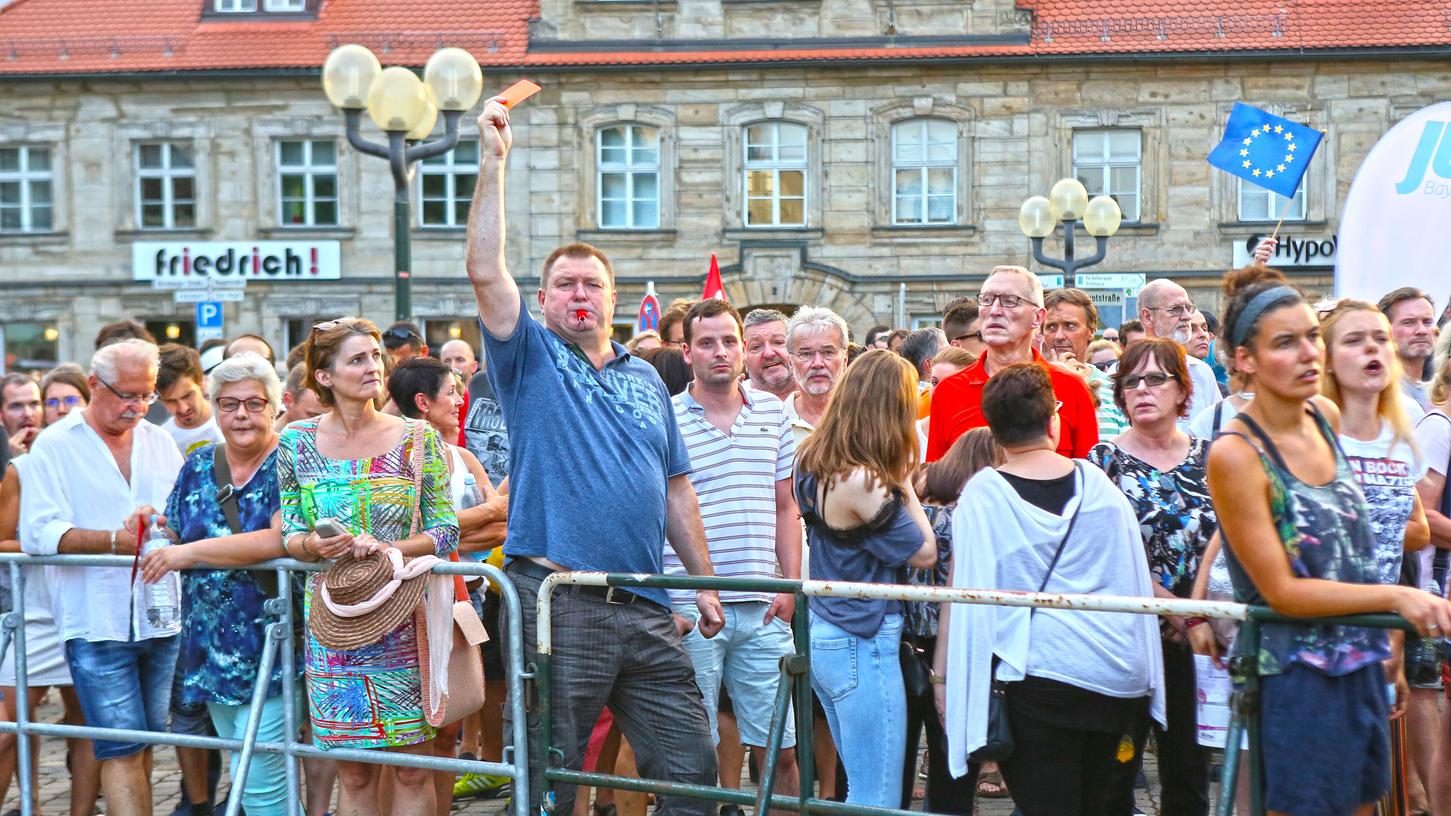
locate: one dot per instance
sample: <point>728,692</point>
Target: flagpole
<point>1276,234</point>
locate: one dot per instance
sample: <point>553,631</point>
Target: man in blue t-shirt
<point>598,481</point>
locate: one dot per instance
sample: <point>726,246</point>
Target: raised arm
<point>494,289</point>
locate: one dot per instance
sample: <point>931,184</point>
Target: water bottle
<point>472,497</point>
<point>163,598</point>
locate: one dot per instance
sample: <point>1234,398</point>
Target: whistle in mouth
<point>581,314</point>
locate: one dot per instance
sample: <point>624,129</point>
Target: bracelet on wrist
<point>1190,623</point>
<point>113,542</point>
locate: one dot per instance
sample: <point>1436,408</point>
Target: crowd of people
<point>1292,452</point>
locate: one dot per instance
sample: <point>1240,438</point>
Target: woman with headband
<point>1300,541</point>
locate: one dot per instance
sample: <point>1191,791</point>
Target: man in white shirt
<point>1167,311</point>
<point>1413,327</point>
<point>92,483</point>
<point>182,386</point>
<point>816,339</point>
<point>741,452</point>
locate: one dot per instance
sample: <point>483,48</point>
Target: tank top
<point>1326,533</point>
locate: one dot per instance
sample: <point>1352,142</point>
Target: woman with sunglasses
<point>1160,468</point>
<point>63,390</point>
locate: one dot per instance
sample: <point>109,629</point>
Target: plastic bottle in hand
<point>472,497</point>
<point>163,598</point>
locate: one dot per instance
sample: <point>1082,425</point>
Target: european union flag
<point>1264,149</point>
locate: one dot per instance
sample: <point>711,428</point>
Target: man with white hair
<point>1011,312</point>
<point>93,485</point>
<point>816,339</point>
<point>1166,311</point>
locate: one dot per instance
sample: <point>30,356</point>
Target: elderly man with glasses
<point>1011,310</point>
<point>1166,311</point>
<point>91,484</point>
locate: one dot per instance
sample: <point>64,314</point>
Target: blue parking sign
<point>209,314</point>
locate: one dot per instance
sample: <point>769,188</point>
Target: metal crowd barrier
<point>279,641</point>
<point>796,685</point>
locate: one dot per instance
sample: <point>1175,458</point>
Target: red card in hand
<point>518,92</point>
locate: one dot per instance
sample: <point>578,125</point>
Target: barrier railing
<point>278,646</point>
<point>795,676</point>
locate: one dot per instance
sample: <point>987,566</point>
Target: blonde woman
<point>864,523</point>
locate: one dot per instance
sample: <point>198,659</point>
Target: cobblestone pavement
<point>55,784</point>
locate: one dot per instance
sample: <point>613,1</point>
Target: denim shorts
<point>1346,718</point>
<point>745,658</point>
<point>123,684</point>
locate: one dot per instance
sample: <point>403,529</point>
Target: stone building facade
<point>790,139</point>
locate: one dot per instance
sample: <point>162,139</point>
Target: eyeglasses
<point>1105,365</point>
<point>1057,406</point>
<point>69,402</point>
<point>807,355</point>
<point>1154,379</point>
<point>977,335</point>
<point>229,405</point>
<point>402,335</point>
<point>986,300</point>
<point>1178,310</point>
<point>144,399</point>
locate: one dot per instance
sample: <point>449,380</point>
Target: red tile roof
<point>70,36</point>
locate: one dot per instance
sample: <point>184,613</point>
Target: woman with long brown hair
<point>864,523</point>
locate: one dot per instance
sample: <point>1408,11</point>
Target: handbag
<point>999,738</point>
<point>916,674</point>
<point>465,693</point>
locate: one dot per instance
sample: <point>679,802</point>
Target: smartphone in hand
<point>328,528</point>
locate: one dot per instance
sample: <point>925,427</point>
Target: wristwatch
<point>113,542</point>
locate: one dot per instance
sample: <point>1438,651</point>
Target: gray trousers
<point>628,657</point>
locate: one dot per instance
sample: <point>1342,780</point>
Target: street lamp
<point>406,109</point>
<point>1066,203</point>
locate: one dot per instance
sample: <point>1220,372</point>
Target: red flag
<point>713,286</point>
<point>649,317</point>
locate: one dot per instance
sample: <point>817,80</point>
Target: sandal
<point>990,786</point>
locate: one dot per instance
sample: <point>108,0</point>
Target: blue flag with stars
<point>1266,150</point>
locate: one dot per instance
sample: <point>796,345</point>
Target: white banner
<point>1395,229</point>
<point>167,264</point>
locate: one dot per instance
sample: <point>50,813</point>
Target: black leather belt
<point>610,595</point>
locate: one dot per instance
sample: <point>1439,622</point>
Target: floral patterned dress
<point>369,697</point>
<point>224,627</point>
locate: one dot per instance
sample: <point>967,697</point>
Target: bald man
<point>459,356</point>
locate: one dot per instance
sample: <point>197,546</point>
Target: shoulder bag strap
<point>1078,473</point>
<point>416,461</point>
<point>226,491</point>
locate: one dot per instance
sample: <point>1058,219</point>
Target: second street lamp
<point>406,109</point>
<point>1066,203</point>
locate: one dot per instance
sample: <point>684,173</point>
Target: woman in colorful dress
<point>358,467</point>
<point>224,627</point>
<point>1300,540</point>
<point>1160,468</point>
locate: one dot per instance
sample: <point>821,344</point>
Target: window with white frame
<point>627,165</point>
<point>775,174</point>
<point>285,5</point>
<point>232,6</point>
<point>1110,162</point>
<point>165,186</point>
<point>446,186</point>
<point>1258,204</point>
<point>26,181</point>
<point>250,6</point>
<point>307,183</point>
<point>924,172</point>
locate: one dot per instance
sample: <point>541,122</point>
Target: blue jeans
<point>266,791</point>
<point>123,684</point>
<point>859,682</point>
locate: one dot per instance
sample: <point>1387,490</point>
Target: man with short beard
<point>768,364</point>
<point>1413,328</point>
<point>20,397</point>
<point>1166,311</point>
<point>816,337</point>
<point>741,454</point>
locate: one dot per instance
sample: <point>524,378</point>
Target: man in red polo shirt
<point>1011,310</point>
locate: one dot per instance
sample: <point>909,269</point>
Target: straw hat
<point>371,582</point>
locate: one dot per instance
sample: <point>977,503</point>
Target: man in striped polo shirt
<point>741,452</point>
